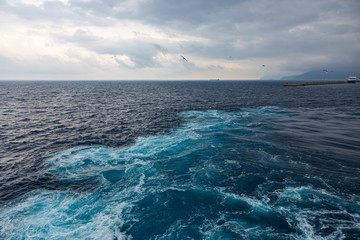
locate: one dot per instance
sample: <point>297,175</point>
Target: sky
<point>145,39</point>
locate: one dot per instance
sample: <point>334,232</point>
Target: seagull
<point>263,65</point>
<point>325,70</point>
<point>184,58</point>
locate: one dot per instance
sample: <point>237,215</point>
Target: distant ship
<point>351,79</point>
<point>214,79</point>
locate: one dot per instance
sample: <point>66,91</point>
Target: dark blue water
<point>179,160</point>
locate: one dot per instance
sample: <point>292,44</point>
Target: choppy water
<point>179,160</point>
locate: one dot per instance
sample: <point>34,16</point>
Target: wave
<point>220,175</point>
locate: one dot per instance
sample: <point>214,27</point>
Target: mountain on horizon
<point>323,75</point>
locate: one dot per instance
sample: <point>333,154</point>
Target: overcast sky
<point>144,39</point>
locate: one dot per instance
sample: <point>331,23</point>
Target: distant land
<point>322,75</point>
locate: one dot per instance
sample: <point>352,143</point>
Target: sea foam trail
<point>220,175</point>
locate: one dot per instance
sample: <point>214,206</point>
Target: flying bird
<point>263,65</point>
<point>184,58</point>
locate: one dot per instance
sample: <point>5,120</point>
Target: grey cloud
<point>270,21</point>
<point>49,11</point>
<point>192,15</point>
<point>161,48</point>
<point>185,12</point>
<point>81,36</point>
<point>141,52</point>
<point>56,12</point>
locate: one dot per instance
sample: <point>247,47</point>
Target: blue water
<point>179,160</point>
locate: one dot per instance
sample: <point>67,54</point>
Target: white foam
<point>255,203</point>
<point>138,187</point>
<point>45,214</point>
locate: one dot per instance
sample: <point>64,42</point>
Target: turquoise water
<point>255,173</point>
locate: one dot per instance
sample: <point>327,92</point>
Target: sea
<point>179,160</point>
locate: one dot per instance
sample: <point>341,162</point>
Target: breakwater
<point>314,83</point>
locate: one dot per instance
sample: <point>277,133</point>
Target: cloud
<point>146,37</point>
